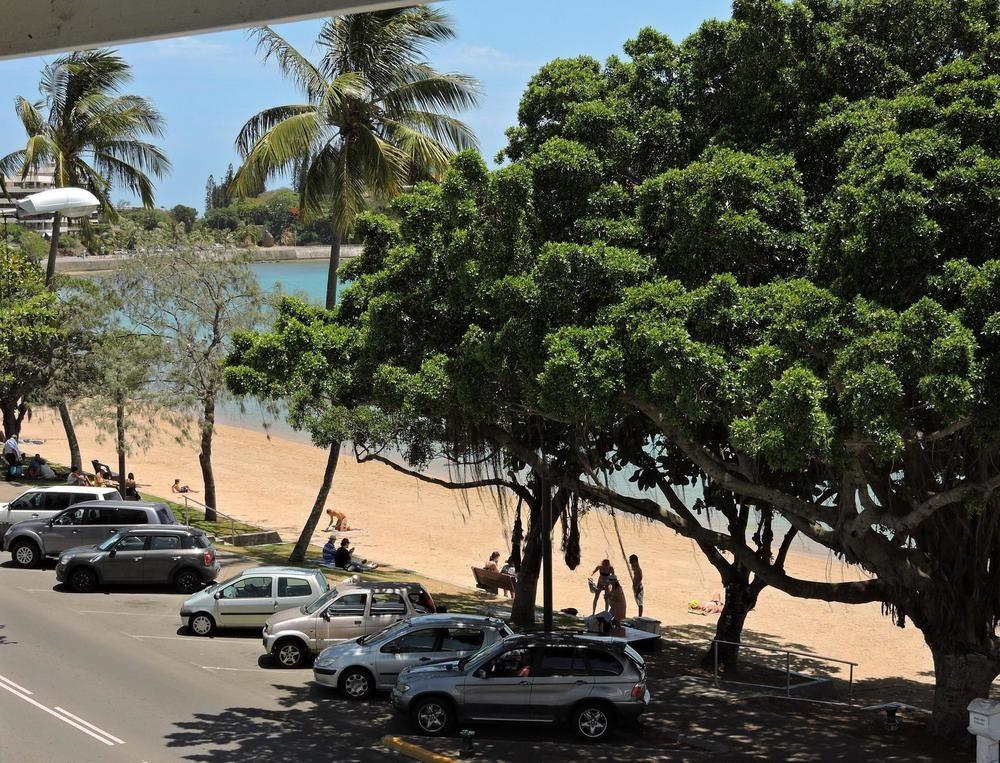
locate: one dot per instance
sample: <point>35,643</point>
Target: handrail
<point>788,664</point>
<point>232,520</point>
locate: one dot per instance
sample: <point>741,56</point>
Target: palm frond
<point>125,175</point>
<point>452,133</point>
<point>100,117</point>
<point>423,150</point>
<point>293,64</point>
<point>30,115</point>
<point>423,88</point>
<point>143,156</point>
<point>260,123</point>
<point>383,167</point>
<point>277,150</point>
<point>98,183</point>
<point>10,166</point>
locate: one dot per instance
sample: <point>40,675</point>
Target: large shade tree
<point>376,116</point>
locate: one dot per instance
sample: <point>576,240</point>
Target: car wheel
<point>82,580</point>
<point>187,581</point>
<point>201,624</point>
<point>357,683</point>
<point>290,653</point>
<point>25,553</point>
<point>593,722</point>
<point>433,716</point>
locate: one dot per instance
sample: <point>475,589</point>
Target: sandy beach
<point>443,533</point>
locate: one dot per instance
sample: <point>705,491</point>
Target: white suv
<point>46,502</point>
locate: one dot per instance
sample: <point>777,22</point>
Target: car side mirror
<point>112,552</point>
<point>218,594</point>
<point>481,673</point>
<point>326,615</point>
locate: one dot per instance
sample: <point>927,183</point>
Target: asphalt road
<point>113,676</point>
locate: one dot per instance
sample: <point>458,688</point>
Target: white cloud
<point>469,57</point>
<point>185,48</point>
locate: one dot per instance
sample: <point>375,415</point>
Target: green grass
<point>195,517</point>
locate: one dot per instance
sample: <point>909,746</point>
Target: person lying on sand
<point>177,487</point>
<point>712,606</point>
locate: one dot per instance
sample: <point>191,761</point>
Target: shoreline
<point>72,265</point>
<point>272,482</point>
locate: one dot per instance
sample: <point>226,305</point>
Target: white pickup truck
<point>45,502</point>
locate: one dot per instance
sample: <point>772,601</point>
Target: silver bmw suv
<point>592,682</point>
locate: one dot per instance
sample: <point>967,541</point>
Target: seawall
<point>257,254</point>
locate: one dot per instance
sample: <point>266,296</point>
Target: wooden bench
<point>105,470</point>
<point>491,581</point>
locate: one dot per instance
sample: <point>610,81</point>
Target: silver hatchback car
<point>370,663</point>
<point>593,683</point>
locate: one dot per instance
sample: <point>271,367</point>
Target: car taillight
<point>639,690</point>
<point>208,558</point>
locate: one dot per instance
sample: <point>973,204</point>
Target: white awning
<point>34,27</point>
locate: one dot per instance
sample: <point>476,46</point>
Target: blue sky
<point>207,86</point>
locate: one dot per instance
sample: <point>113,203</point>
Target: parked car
<point>247,600</point>
<point>373,662</point>
<point>167,555</point>
<point>348,611</point>
<point>593,683</point>
<point>46,502</point>
<point>83,524</point>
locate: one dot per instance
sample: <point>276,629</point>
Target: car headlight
<point>325,660</point>
<point>402,688</point>
<point>63,560</point>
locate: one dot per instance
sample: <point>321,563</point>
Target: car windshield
<point>483,651</point>
<point>219,584</point>
<point>317,604</point>
<point>110,542</point>
<point>389,632</point>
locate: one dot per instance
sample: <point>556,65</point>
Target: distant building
<point>40,224</point>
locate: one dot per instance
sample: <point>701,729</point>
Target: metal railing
<point>788,666</point>
<point>206,508</point>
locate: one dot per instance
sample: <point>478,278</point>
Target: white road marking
<point>16,686</point>
<point>192,639</point>
<point>40,590</point>
<point>103,736</point>
<point>89,725</point>
<point>241,670</point>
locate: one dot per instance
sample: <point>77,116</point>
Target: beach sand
<point>442,533</point>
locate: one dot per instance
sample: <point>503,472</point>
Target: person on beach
<point>77,478</point>
<point>493,565</point>
<point>338,521</point>
<point>603,571</point>
<point>330,551</point>
<point>614,598</point>
<point>344,559</point>
<point>177,487</point>
<point>39,469</point>
<point>99,480</point>
<point>637,588</point>
<point>131,489</point>
<point>12,452</point>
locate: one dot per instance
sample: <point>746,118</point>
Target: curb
<point>414,751</point>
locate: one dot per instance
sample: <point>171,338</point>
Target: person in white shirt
<point>12,451</point>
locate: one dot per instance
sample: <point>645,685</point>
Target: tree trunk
<point>74,444</point>
<point>526,590</point>
<point>11,422</point>
<point>50,270</point>
<point>959,678</point>
<point>120,444</point>
<point>740,599</point>
<point>298,555</point>
<point>331,278</point>
<point>205,457</point>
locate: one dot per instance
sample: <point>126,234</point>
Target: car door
<point>416,647</point>
<point>124,563</point>
<point>293,592</point>
<point>26,506</point>
<point>247,602</point>
<point>344,619</point>
<point>501,687</point>
<point>561,679</point>
<point>98,525</point>
<point>163,555</point>
<point>64,531</point>
<point>386,608</point>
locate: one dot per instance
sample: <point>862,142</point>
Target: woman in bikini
<point>603,571</point>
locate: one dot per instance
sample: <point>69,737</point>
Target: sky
<point>207,86</point>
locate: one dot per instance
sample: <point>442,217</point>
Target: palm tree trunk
<point>120,444</point>
<point>331,278</point>
<point>205,457</point>
<point>298,555</point>
<point>50,270</point>
<point>75,459</point>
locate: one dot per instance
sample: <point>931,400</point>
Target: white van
<point>46,502</point>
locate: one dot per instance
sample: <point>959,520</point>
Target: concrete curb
<point>415,752</point>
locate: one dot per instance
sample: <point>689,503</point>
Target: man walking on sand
<point>637,588</point>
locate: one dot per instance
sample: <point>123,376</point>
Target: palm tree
<point>376,116</point>
<point>93,138</point>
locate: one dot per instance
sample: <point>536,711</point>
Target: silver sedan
<point>373,662</point>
